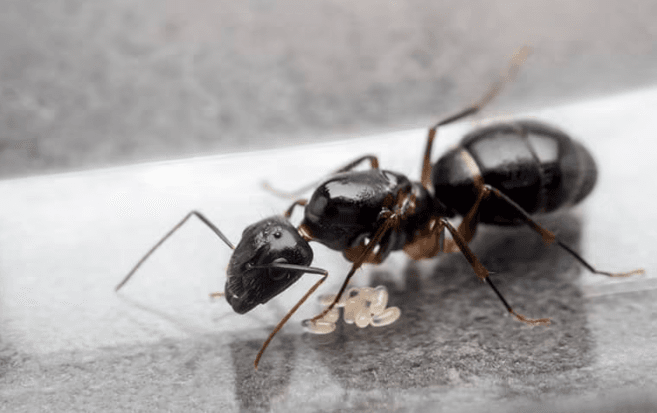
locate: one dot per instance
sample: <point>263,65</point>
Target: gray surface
<point>84,84</point>
<point>71,343</point>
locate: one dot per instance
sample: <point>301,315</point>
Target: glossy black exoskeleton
<point>347,208</point>
<point>538,166</point>
<point>250,280</point>
<point>499,175</point>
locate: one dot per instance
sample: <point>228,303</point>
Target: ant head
<point>252,279</point>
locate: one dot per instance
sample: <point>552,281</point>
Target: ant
<point>498,175</point>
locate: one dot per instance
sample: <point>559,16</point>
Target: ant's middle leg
<point>428,245</point>
<point>468,226</point>
<point>428,241</point>
<point>374,164</point>
<point>290,210</point>
<point>312,270</point>
<point>516,61</point>
<point>483,273</point>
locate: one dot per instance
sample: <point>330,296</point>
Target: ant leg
<point>549,237</point>
<point>468,226</point>
<point>431,240</point>
<point>404,204</point>
<point>516,61</point>
<point>168,234</point>
<point>391,221</point>
<point>290,210</point>
<point>310,270</point>
<point>467,229</point>
<point>374,164</point>
<point>483,274</point>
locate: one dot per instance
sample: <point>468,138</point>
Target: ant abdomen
<point>536,165</point>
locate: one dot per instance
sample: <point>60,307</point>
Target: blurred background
<point>87,84</point>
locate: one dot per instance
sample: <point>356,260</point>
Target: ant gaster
<point>497,175</point>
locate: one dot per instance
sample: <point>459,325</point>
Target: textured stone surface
<point>86,84</point>
<point>68,342</point>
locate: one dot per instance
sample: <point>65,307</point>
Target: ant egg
<point>379,299</point>
<point>332,316</point>
<point>362,306</point>
<point>318,327</point>
<point>389,316</point>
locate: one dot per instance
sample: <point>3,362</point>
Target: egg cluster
<point>363,306</point>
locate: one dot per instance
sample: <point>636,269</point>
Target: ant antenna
<point>168,234</point>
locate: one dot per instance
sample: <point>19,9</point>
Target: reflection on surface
<point>255,389</point>
<point>453,330</point>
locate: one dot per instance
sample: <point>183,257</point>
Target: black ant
<point>498,175</point>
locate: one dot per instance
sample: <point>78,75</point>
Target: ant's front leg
<point>392,219</point>
<point>310,270</point>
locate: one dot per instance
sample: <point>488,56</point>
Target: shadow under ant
<point>453,329</point>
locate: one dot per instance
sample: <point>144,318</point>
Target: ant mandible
<point>368,214</point>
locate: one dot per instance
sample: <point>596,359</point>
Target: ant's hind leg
<point>374,164</point>
<point>549,237</point>
<point>516,61</point>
